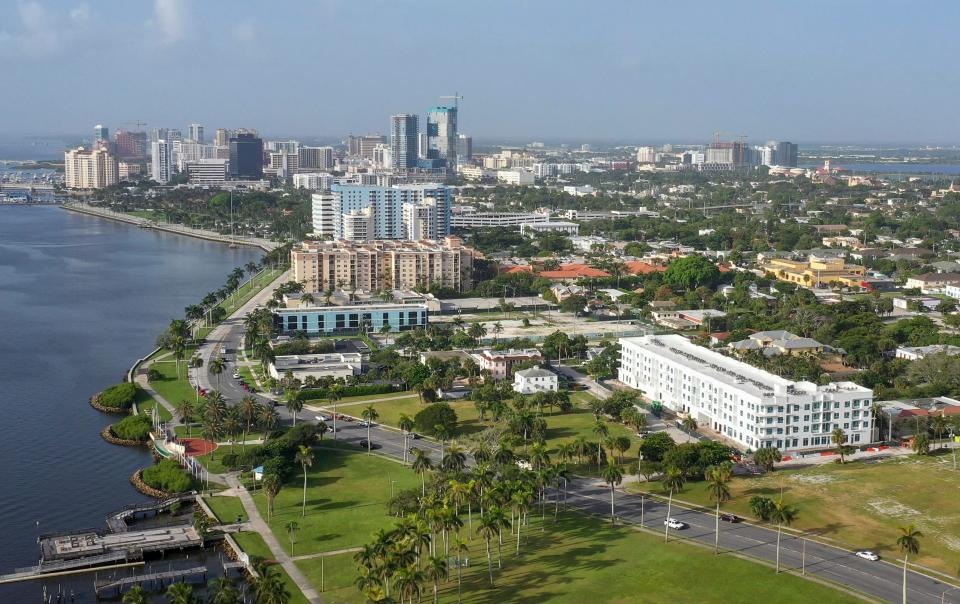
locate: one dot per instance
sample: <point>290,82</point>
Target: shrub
<point>135,427</point>
<point>119,396</point>
<point>436,414</point>
<point>167,476</point>
<point>358,390</point>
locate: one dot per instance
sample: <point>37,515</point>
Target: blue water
<point>80,299</point>
<point>892,168</point>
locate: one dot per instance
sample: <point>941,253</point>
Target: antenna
<point>456,99</point>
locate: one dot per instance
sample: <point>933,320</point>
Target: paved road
<point>878,579</point>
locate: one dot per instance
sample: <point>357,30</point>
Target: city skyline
<point>622,73</point>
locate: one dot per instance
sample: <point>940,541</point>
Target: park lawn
<point>146,407</point>
<point>347,491</point>
<point>468,420</point>
<point>227,508</point>
<point>249,289</point>
<point>861,505</point>
<point>169,386</point>
<point>584,559</point>
<point>254,545</point>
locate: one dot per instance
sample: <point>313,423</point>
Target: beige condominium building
<point>383,265</point>
<point>89,169</point>
<point>815,271</point>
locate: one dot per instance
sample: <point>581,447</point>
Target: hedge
<point>167,476</point>
<point>135,427</point>
<point>358,390</point>
<point>118,396</point>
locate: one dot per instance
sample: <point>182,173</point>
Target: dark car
<point>367,444</point>
<point>730,518</point>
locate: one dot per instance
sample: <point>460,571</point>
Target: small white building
<point>915,353</point>
<point>515,177</point>
<point>535,379</point>
<point>554,226</point>
<point>334,365</point>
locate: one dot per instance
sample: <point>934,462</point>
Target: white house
<point>535,379</point>
<point>317,365</point>
<point>914,353</point>
<point>745,404</point>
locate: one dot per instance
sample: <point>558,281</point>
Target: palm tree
<point>673,481</point>
<point>939,425</point>
<point>271,487</point>
<point>185,409</point>
<point>421,465</point>
<point>436,571</point>
<point>180,593</point>
<point>476,331</point>
<point>217,366</point>
<point>408,581</point>
<point>718,478</point>
<point>909,543</point>
<point>613,476</point>
<point>601,430</point>
<point>782,513</point>
<point>267,419</point>
<point>178,345</point>
<point>304,457</point>
<point>270,587</point>
<point>370,415</point>
<point>136,595</point>
<point>839,438</point>
<point>223,592</point>
<point>292,528</point>
<point>294,405</point>
<point>459,549</point>
<point>249,411</point>
<point>488,528</point>
<point>334,393</point>
<point>454,460</point>
<point>406,424</point>
<point>497,330</point>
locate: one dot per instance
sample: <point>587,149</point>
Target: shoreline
<point>81,208</point>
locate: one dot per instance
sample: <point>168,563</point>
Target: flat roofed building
<point>302,366</point>
<point>207,172</point>
<point>816,271</point>
<point>746,405</point>
<point>326,320</point>
<point>500,362</point>
<point>383,265</point>
<point>557,226</point>
<point>89,169</point>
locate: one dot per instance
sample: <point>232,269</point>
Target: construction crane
<point>456,99</point>
<point>137,123</point>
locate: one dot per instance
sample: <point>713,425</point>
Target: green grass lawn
<point>583,559</point>
<point>169,386</point>
<point>253,544</point>
<point>226,508</point>
<point>158,216</point>
<point>862,505</point>
<point>468,419</point>
<point>250,289</point>
<point>346,495</point>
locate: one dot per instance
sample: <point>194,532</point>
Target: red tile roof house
<point>566,272</point>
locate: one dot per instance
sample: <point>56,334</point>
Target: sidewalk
<point>259,525</point>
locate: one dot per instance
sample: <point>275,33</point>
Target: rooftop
<point>535,372</point>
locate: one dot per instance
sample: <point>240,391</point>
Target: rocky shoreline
<point>137,481</point>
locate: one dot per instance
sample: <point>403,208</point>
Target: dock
<point>117,521</point>
<point>150,581</point>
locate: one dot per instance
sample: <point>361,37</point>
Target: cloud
<point>168,18</point>
<point>245,31</point>
<point>42,33</point>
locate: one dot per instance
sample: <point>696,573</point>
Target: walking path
<point>258,524</point>
<point>346,550</point>
<point>329,407</point>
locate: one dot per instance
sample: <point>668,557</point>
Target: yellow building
<point>815,271</point>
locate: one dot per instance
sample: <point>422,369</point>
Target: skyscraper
<point>89,169</point>
<point>101,133</point>
<point>161,161</point>
<point>196,133</point>
<point>246,156</point>
<point>130,145</point>
<point>403,140</point>
<point>464,148</point>
<point>787,154</point>
<point>442,133</point>
<point>222,138</point>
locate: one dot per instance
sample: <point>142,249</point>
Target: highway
<point>881,580</point>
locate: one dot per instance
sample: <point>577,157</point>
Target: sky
<point>817,71</point>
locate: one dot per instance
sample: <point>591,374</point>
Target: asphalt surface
<point>881,579</point>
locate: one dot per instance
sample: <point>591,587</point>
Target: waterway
<point>892,168</point>
<point>81,298</point>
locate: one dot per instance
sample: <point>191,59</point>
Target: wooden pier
<point>149,581</point>
<point>117,521</point>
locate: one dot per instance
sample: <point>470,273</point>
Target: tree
<point>217,366</point>
<point>909,543</point>
<point>304,457</point>
<point>421,465</point>
<point>406,424</point>
<point>766,457</point>
<point>782,513</point>
<point>178,345</point>
<point>185,409</point>
<point>294,405</point>
<point>271,487</point>
<point>136,595</point>
<point>921,444</point>
<point>370,415</point>
<point>718,479</point>
<point>613,476</point>
<point>476,331</point>
<point>497,330</point>
<point>673,481</point>
<point>762,507</point>
<point>180,593</point>
<point>249,411</point>
<point>428,419</point>
<point>691,272</point>
<point>269,588</point>
<point>436,571</point>
<point>488,528</point>
<point>839,438</point>
<point>656,445</point>
<point>574,304</point>
<point>223,592</point>
<point>292,528</point>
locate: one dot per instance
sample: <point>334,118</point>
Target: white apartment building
<point>89,169</point>
<point>420,220</point>
<point>515,177</point>
<point>161,161</point>
<point>358,225</point>
<point>208,172</point>
<point>314,181</point>
<point>315,158</point>
<point>544,170</point>
<point>646,155</point>
<point>747,405</point>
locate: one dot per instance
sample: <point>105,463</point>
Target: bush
<point>167,476</point>
<point>655,446</point>
<point>358,390</point>
<point>436,414</point>
<point>119,396</point>
<point>135,427</point>
<point>154,375</point>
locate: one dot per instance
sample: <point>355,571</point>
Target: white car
<point>867,555</point>
<point>236,376</point>
<point>324,418</point>
<point>674,523</point>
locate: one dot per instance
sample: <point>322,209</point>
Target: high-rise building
<point>353,145</point>
<point>222,137</point>
<point>316,158</point>
<point>185,152</point>
<point>314,181</point>
<point>786,154</point>
<point>161,161</point>
<point>196,133</point>
<point>404,128</point>
<point>442,131</point>
<point>130,145</point>
<point>207,172</point>
<point>246,156</point>
<point>423,145</point>
<point>101,133</point>
<point>464,148</point>
<point>382,157</point>
<point>285,164</point>
<point>419,220</point>
<point>388,206</point>
<point>368,143</point>
<point>383,265</point>
<point>357,225</point>
<point>89,169</point>
<point>646,155</point>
